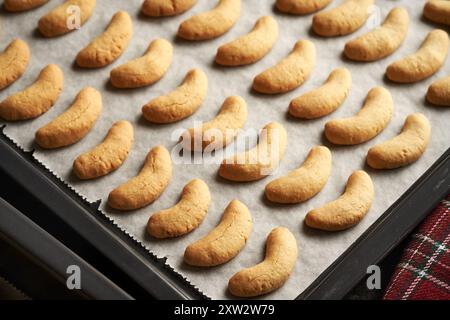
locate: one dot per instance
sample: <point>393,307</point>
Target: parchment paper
<point>317,250</point>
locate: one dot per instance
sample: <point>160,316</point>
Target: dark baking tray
<point>162,282</point>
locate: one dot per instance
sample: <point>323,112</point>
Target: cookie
<point>180,103</point>
<point>382,41</point>
<point>73,124</point>
<point>35,99</point>
<point>422,64</point>
<point>225,241</point>
<point>57,22</point>
<point>405,148</point>
<point>22,5</point>
<point>107,47</point>
<point>251,47</point>
<point>260,161</point>
<point>301,6</point>
<point>13,62</point>
<point>147,186</point>
<point>273,272</point>
<point>164,8</point>
<point>108,155</point>
<point>373,117</point>
<point>349,209</point>
<point>211,24</point>
<point>324,100</point>
<point>220,131</point>
<point>439,92</point>
<point>146,70</point>
<point>290,72</point>
<point>185,216</point>
<point>305,182</point>
<point>346,18</point>
<point>437,11</point>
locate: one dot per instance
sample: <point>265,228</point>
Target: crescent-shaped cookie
<point>305,182</point>
<point>251,47</point>
<point>403,149</point>
<point>437,11</point>
<point>211,24</point>
<point>324,100</point>
<point>273,272</point>
<point>22,5</point>
<point>382,41</point>
<point>349,209</point>
<point>290,72</point>
<point>260,161</point>
<point>220,131</point>
<point>373,117</point>
<point>422,64</point>
<point>73,124</point>
<point>57,21</point>
<point>108,155</point>
<point>439,92</point>
<point>225,241</point>
<point>164,8</point>
<point>344,19</point>
<point>145,70</point>
<point>301,6</point>
<point>180,103</point>
<point>13,62</point>
<point>35,99</point>
<point>108,46</point>
<point>147,186</point>
<point>185,216</point>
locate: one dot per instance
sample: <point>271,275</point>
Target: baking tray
<point>162,282</point>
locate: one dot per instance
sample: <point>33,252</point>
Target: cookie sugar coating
<point>107,47</point>
<point>381,41</point>
<point>437,11</point>
<point>304,182</point>
<point>422,64</point>
<point>373,117</point>
<point>260,161</point>
<point>185,216</point>
<point>250,47</point>
<point>164,8</point>
<point>324,100</point>
<point>290,72</point>
<point>439,92</point>
<point>22,5</point>
<point>211,24</point>
<point>273,272</point>
<point>147,186</point>
<point>35,99</point>
<point>349,209</point>
<point>180,103</point>
<point>74,123</point>
<point>56,22</point>
<point>13,62</point>
<point>403,149</point>
<point>301,6</point>
<point>145,70</point>
<point>108,155</point>
<point>225,241</point>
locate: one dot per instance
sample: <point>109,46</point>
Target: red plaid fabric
<point>424,270</point>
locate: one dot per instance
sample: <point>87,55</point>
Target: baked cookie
<point>164,8</point>
<point>301,6</point>
<point>437,11</point>
<point>439,92</point>
<point>22,5</point>
<point>13,62</point>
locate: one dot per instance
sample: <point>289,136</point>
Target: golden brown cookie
<point>37,98</point>
<point>13,62</point>
<point>180,103</point>
<point>225,241</point>
<point>22,5</point>
<point>439,92</point>
<point>437,11</point>
<point>349,209</point>
<point>147,186</point>
<point>185,216</point>
<point>403,149</point>
<point>73,124</point>
<point>108,46</point>
<point>164,8</point>
<point>108,155</point>
<point>273,272</point>
<point>301,6</point>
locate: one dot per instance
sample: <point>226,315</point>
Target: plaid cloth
<point>424,269</point>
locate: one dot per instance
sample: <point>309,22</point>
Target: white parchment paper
<point>317,250</point>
